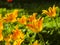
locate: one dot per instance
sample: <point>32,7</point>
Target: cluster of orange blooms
<point>35,25</point>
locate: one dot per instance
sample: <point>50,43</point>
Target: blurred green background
<point>29,5</point>
<point>50,35</point>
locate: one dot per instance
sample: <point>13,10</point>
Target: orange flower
<point>17,34</point>
<point>1,36</point>
<point>7,43</point>
<point>22,20</point>
<point>11,17</point>
<point>35,43</point>
<point>40,23</point>
<point>8,38</point>
<point>32,17</point>
<point>51,11</point>
<point>15,12</point>
<point>36,26</point>
<point>1,26</point>
<point>18,42</point>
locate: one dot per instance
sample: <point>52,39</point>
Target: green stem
<point>55,22</point>
<point>32,38</point>
<point>52,21</point>
<point>41,38</point>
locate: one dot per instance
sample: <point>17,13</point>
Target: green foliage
<point>50,34</point>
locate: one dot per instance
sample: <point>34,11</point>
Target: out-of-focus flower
<point>40,23</point>
<point>32,17</point>
<point>36,26</point>
<point>35,43</point>
<point>18,42</point>
<point>1,36</point>
<point>0,16</point>
<point>15,12</point>
<point>8,39</point>
<point>7,43</point>
<point>11,17</point>
<point>1,25</point>
<point>22,20</point>
<point>1,28</point>
<point>51,11</point>
<point>17,34</point>
<point>9,1</point>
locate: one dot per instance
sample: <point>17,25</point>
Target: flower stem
<point>55,22</point>
<point>41,37</point>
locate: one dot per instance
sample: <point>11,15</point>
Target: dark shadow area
<point>29,6</point>
<point>53,39</point>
